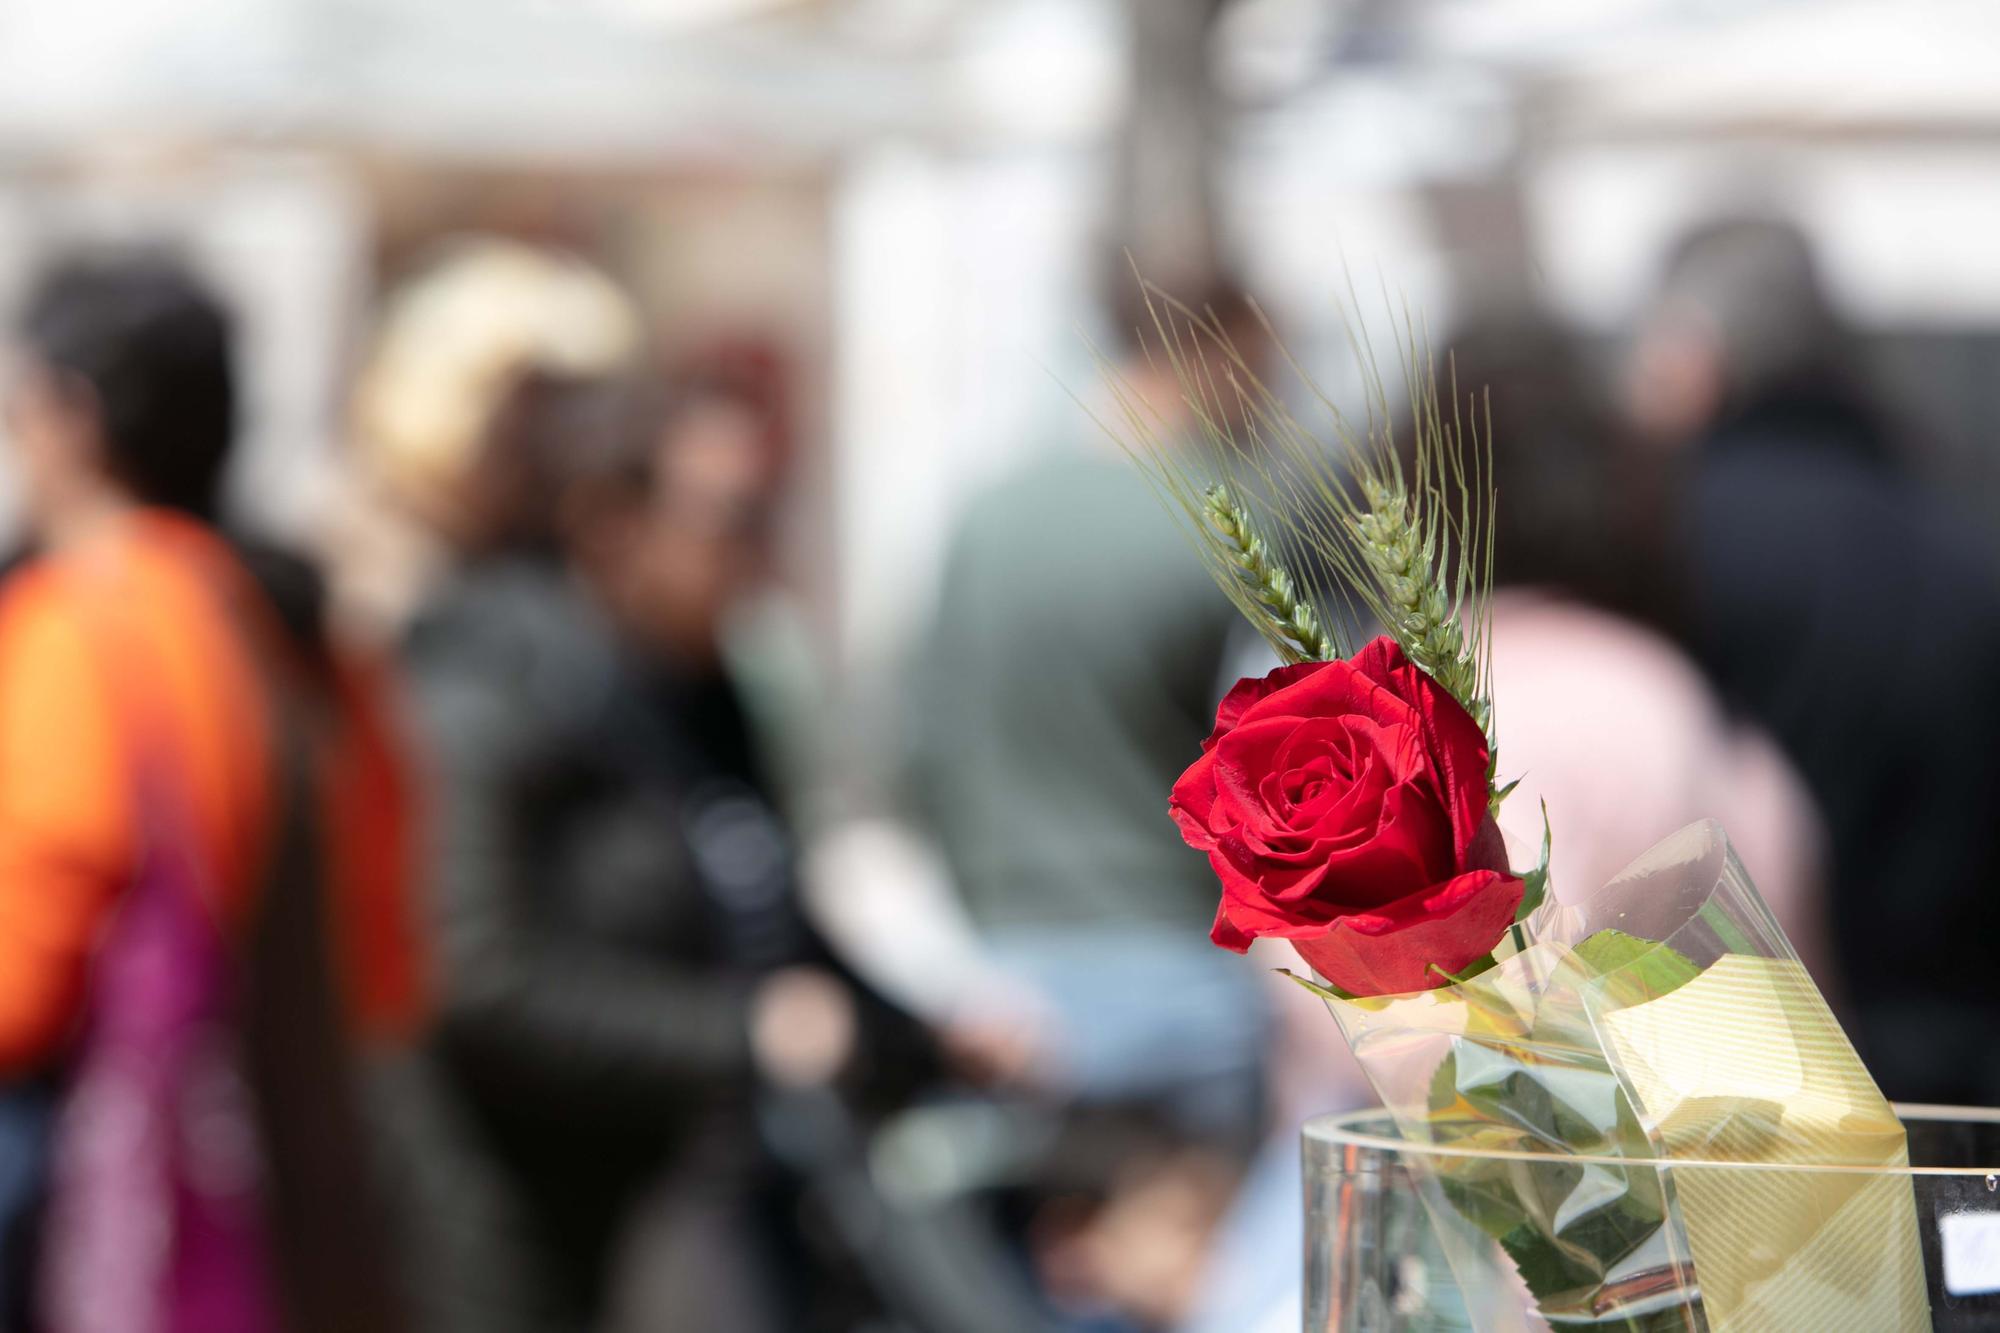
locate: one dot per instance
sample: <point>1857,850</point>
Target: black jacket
<point>1857,617</point>
<point>584,982</point>
<point>612,881</point>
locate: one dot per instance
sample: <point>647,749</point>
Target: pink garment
<point>154,1222</point>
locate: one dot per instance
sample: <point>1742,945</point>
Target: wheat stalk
<point>1291,614</point>
<point>1407,535</point>
<point>1413,592</point>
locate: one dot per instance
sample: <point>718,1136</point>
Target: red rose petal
<point>1393,950</point>
<point>1457,747</point>
<point>1338,691</point>
<point>1225,933</point>
<point>1252,688</point>
<point>1192,802</point>
<point>1240,760</point>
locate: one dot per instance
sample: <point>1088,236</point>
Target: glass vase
<point>1381,1258</point>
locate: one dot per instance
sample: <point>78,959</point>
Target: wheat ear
<point>1273,589</point>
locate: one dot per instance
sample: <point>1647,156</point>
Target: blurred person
<point>1838,603</point>
<point>438,480</point>
<point>1071,669</point>
<point>186,779</point>
<point>634,1005</point>
<point>1072,666</point>
<point>441,481</point>
<point>1607,721</point>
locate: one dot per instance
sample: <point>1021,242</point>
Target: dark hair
<point>153,347</point>
<point>605,435</point>
<point>600,436</point>
<point>1221,302</point>
<point>1578,506</point>
<point>557,439</point>
<point>1757,281</point>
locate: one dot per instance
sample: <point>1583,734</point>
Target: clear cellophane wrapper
<point>1668,1067</point>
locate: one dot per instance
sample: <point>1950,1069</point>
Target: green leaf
<point>1716,918</point>
<point>1324,992</point>
<point>1535,884</point>
<point>1502,793</point>
<point>1551,1269</point>
<point>1472,969</point>
<point>1566,1224</point>
<point>1485,1197</point>
<point>1634,970</point>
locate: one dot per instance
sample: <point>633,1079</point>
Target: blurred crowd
<point>418,936</point>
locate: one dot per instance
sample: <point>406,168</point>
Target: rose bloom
<point>1345,807</point>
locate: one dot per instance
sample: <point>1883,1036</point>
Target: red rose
<point>1344,805</point>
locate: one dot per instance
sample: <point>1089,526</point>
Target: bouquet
<point>1347,803</point>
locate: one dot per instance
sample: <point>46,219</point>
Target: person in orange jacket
<point>138,636</point>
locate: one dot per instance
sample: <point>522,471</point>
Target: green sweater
<point>1069,678</point>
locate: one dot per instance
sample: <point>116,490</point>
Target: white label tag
<point>1971,1245</point>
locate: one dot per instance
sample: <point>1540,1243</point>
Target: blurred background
<point>684,410</point>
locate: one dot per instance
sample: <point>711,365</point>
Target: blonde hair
<point>454,342</point>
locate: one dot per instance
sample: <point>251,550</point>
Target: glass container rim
<point>1339,1129</point>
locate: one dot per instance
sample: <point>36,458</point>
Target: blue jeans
<point>27,1111</point>
<point>1153,1016</point>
